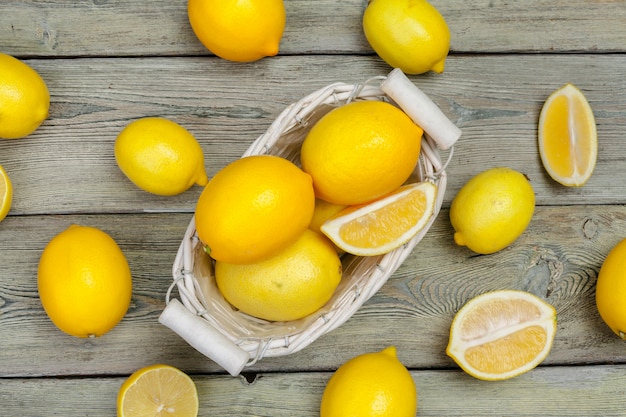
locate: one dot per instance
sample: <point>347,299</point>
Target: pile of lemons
<point>263,219</point>
<point>282,270</point>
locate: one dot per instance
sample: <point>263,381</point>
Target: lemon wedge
<point>385,224</point>
<point>6,194</point>
<point>502,334</point>
<point>568,142</point>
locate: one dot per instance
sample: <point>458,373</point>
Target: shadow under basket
<point>235,340</point>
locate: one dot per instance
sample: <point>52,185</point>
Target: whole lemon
<point>296,282</point>
<point>253,208</point>
<point>611,290</point>
<point>238,30</point>
<point>84,281</point>
<point>160,156</point>
<point>407,34</point>
<point>323,211</point>
<point>370,385</point>
<point>24,98</point>
<point>492,210</point>
<point>361,151</point>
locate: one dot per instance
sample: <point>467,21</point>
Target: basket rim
<point>294,117</point>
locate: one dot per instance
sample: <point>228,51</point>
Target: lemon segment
<point>238,30</point>
<point>84,281</point>
<point>502,334</point>
<point>24,98</point>
<point>492,210</point>
<point>160,156</point>
<point>6,193</point>
<point>568,142</point>
<point>361,151</point>
<point>158,390</point>
<point>384,224</point>
<point>611,290</point>
<point>408,34</point>
<point>288,286</point>
<point>373,384</point>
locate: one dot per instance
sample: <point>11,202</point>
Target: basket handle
<point>421,109</point>
<point>202,336</point>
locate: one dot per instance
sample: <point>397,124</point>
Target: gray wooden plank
<point>160,27</point>
<point>544,391</point>
<point>557,258</point>
<point>495,100</point>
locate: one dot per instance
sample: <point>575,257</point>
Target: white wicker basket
<point>235,340</point>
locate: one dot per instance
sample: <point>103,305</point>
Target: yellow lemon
<point>253,208</point>
<point>492,210</point>
<point>502,334</point>
<point>408,34</point>
<point>385,224</point>
<point>370,385</point>
<point>568,141</point>
<point>24,98</point>
<point>238,30</point>
<point>361,151</point>
<point>160,156</point>
<point>323,211</point>
<point>158,390</point>
<point>84,281</point>
<point>6,194</point>
<point>288,286</point>
<point>611,290</point>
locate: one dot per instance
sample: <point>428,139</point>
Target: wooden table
<point>109,62</point>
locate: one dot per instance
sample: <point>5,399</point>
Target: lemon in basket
<point>238,30</point>
<point>288,286</point>
<point>385,224</point>
<point>408,34</point>
<point>157,390</point>
<point>24,98</point>
<point>502,334</point>
<point>160,156</point>
<point>372,384</point>
<point>324,211</point>
<point>6,193</point>
<point>84,281</point>
<point>492,210</point>
<point>253,208</point>
<point>361,151</point>
<point>611,290</point>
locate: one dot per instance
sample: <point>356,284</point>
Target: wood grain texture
<point>548,392</point>
<point>495,100</point>
<point>556,260</point>
<point>61,28</point>
<point>109,62</point>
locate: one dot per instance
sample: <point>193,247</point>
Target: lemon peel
<point>408,34</point>
<point>6,193</point>
<point>24,98</point>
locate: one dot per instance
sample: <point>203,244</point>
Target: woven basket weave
<point>235,340</point>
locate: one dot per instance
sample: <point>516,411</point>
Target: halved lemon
<point>502,334</point>
<point>158,390</point>
<point>385,224</point>
<point>568,141</point>
<point>6,194</point>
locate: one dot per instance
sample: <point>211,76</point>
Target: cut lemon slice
<point>568,142</point>
<point>502,334</point>
<point>6,194</point>
<point>158,390</point>
<point>385,224</point>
